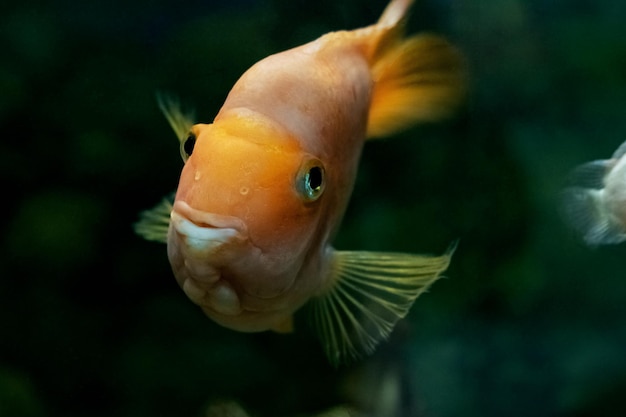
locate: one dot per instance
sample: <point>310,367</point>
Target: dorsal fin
<point>416,79</point>
<point>395,12</point>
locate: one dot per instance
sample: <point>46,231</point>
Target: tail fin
<point>416,79</point>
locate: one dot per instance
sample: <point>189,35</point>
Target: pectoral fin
<point>371,292</point>
<point>586,211</point>
<point>154,223</point>
<point>584,204</point>
<point>591,174</point>
<point>621,151</point>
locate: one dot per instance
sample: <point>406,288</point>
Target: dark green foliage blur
<point>530,322</point>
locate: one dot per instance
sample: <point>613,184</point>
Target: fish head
<point>245,216</point>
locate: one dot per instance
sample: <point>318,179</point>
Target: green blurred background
<point>92,323</point>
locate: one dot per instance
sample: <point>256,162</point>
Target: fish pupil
<point>314,179</point>
<point>190,142</point>
<point>311,183</point>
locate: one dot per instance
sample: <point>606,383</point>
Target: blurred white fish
<point>595,204</point>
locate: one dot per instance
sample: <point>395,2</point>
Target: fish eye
<point>186,146</point>
<point>311,181</point>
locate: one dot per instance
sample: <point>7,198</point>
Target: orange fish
<point>264,187</point>
<point>595,203</point>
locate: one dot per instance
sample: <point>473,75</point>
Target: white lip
<point>205,231</point>
<point>201,238</point>
<point>203,218</point>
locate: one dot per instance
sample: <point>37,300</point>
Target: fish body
<point>595,203</point>
<point>264,187</point>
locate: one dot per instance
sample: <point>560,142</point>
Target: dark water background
<point>92,323</point>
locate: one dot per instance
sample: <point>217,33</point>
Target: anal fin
<point>284,326</point>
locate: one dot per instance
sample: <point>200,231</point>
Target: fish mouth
<point>201,227</point>
<point>210,256</point>
<point>200,244</point>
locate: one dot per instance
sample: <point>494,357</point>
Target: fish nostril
<point>244,190</point>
